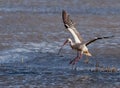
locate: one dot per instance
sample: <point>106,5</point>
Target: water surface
<point>31,33</point>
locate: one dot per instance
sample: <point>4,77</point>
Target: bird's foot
<point>74,67</point>
<point>72,62</point>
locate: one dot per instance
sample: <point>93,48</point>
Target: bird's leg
<point>74,67</point>
<point>75,60</point>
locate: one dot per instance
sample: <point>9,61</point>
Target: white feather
<point>74,35</point>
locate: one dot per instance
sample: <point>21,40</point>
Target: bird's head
<point>69,40</point>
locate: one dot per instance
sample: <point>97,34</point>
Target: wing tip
<point>109,36</point>
<point>63,11</point>
<point>64,15</point>
<point>65,18</point>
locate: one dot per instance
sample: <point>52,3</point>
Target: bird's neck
<point>71,43</point>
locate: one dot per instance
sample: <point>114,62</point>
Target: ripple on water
<point>27,51</point>
<point>31,35</point>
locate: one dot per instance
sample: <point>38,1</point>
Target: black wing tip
<point>97,38</point>
<point>112,36</point>
<point>65,18</point>
<point>63,11</point>
<point>104,37</point>
<point>109,36</point>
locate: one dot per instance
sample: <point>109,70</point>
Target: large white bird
<point>78,45</point>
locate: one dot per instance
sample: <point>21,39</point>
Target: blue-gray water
<point>31,33</point>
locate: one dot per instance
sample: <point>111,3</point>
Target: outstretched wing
<point>68,23</point>
<point>97,38</point>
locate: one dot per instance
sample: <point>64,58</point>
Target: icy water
<point>31,33</point>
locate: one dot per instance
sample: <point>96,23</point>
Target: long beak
<point>62,46</point>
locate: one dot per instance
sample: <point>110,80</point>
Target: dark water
<point>31,32</point>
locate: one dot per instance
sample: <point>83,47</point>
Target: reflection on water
<point>31,32</point>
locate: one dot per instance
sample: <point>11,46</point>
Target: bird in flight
<point>78,45</point>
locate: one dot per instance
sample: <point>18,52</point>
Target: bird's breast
<point>76,47</point>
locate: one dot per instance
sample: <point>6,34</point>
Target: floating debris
<point>105,69</point>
